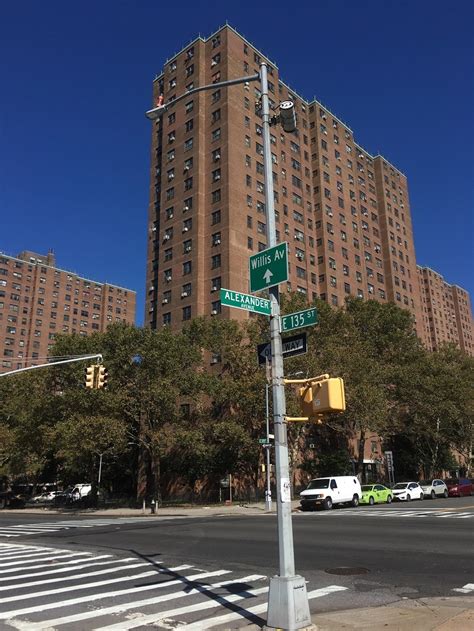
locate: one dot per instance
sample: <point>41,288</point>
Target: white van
<point>325,492</point>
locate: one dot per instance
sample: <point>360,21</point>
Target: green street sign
<point>245,301</point>
<point>269,267</point>
<point>262,441</point>
<point>299,319</point>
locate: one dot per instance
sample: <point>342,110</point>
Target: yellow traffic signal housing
<point>89,376</point>
<point>328,396</point>
<point>322,397</point>
<point>102,376</point>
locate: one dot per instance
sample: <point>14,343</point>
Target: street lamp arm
<point>157,112</point>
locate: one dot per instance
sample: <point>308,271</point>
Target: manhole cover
<point>346,571</point>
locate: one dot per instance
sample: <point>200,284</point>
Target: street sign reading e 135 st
<point>299,319</point>
<point>269,267</point>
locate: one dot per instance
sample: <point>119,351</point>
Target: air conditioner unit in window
<point>170,216</point>
<point>217,157</point>
<point>185,208</point>
<point>287,231</point>
<point>166,237</point>
<point>214,360</point>
<point>168,279</point>
<point>164,301</point>
<point>214,288</point>
<point>185,229</point>
<point>324,117</point>
<point>217,242</point>
<point>214,312</point>
<point>184,294</point>
<point>186,167</point>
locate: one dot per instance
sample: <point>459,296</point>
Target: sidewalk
<point>426,614</point>
<point>177,511</point>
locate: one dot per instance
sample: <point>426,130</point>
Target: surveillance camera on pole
<point>288,116</point>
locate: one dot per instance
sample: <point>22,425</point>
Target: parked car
<point>80,491</point>
<point>375,494</point>
<point>325,492</point>
<point>434,488</point>
<point>407,491</point>
<point>8,499</point>
<point>47,496</point>
<point>459,487</point>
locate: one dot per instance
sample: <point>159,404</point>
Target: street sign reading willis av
<point>269,267</point>
<point>295,345</point>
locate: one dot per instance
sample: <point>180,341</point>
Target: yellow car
<point>375,494</point>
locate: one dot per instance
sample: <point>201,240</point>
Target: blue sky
<point>77,77</point>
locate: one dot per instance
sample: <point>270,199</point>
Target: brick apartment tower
<point>447,315</point>
<point>39,300</point>
<point>344,212</point>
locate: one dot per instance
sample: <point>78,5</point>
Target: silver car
<point>434,488</point>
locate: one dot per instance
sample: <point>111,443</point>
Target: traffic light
<point>89,377</point>
<point>102,376</point>
<point>322,397</point>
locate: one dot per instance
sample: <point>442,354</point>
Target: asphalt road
<point>350,557</point>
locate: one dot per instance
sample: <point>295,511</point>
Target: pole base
<point>288,606</point>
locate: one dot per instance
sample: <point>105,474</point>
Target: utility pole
<point>288,606</point>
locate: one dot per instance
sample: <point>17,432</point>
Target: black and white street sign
<point>294,345</point>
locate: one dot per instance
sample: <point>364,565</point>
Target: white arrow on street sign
<point>267,276</point>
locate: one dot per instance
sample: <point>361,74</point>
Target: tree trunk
<point>155,462</point>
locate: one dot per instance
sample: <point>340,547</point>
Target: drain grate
<point>347,571</point>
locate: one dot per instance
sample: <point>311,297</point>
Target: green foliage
<point>173,417</point>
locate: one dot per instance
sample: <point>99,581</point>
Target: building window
<point>189,125</point>
<point>215,116</point>
<point>216,134</point>
<point>166,319</point>
<point>215,261</point>
<point>216,217</point>
<point>187,313</point>
<point>188,144</point>
<point>187,268</point>
<point>216,196</point>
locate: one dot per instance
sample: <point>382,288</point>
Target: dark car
<point>8,499</point>
<point>459,487</point>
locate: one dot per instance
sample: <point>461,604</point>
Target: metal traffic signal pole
<point>288,606</point>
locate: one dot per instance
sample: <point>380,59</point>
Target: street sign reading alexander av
<point>247,302</point>
<point>295,345</point>
<point>299,319</point>
<point>269,267</point>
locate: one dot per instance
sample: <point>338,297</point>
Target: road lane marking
<point>469,587</point>
<point>65,569</point>
<point>75,577</point>
<point>96,613</point>
<point>211,622</point>
<point>16,569</point>
<point>83,599</point>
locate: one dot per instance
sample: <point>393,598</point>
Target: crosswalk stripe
<point>76,601</point>
<point>49,556</point>
<point>65,569</point>
<point>74,577</point>
<point>132,605</point>
<point>217,601</point>
<point>62,590</point>
<point>258,609</point>
<point>32,555</point>
<point>16,569</point>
